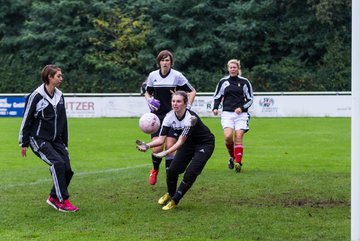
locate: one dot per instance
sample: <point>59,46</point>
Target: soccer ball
<point>149,123</point>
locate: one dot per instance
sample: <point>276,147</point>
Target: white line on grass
<point>79,174</point>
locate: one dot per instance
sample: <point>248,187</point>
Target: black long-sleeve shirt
<point>44,117</point>
<point>234,92</point>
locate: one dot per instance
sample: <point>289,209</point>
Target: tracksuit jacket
<point>235,92</point>
<point>44,117</point>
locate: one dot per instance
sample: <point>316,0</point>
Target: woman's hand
<point>238,110</point>
<point>23,151</point>
<point>160,154</point>
<point>142,146</point>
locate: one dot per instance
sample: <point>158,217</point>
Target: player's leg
<point>63,152</point>
<point>241,127</point>
<point>201,155</point>
<point>227,123</point>
<point>156,161</point>
<point>49,155</point>
<point>182,159</point>
<point>229,143</point>
<point>170,141</point>
<point>239,150</point>
<point>60,148</point>
<point>178,165</point>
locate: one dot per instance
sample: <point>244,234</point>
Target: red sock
<point>238,152</point>
<point>230,148</point>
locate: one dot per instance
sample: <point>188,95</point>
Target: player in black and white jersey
<point>235,93</point>
<point>160,85</point>
<point>194,147</point>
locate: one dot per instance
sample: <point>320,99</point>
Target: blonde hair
<point>235,61</point>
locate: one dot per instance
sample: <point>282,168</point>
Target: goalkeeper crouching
<point>194,148</point>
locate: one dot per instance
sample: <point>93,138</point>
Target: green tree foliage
<point>282,44</point>
<point>116,47</point>
<point>111,45</point>
<point>188,29</point>
<point>334,68</point>
<point>69,33</point>
<point>13,69</point>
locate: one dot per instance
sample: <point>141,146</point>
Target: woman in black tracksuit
<point>44,129</point>
<point>194,147</point>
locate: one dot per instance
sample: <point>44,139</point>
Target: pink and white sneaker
<point>53,202</point>
<point>66,206</point>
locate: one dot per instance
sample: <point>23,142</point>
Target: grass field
<point>295,185</point>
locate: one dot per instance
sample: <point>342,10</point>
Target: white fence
<point>300,104</point>
<point>275,104</point>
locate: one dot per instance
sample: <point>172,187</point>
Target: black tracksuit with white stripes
<point>44,129</point>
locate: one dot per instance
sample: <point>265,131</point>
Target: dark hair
<point>183,94</point>
<point>48,70</point>
<point>162,55</point>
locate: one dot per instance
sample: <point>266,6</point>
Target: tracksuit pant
<point>55,154</point>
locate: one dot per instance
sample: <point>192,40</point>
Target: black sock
<point>156,162</point>
<point>180,192</point>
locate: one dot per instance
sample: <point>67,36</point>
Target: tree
<point>116,46</point>
<point>111,45</point>
<point>95,43</point>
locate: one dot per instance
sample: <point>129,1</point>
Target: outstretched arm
<point>175,147</point>
<point>142,146</point>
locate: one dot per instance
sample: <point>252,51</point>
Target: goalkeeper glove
<point>153,104</point>
<point>160,154</point>
<point>141,146</point>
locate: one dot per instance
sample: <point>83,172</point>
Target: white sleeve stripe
<point>26,113</point>
<point>248,92</point>
<point>186,130</point>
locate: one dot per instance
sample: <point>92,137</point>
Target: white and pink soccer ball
<point>149,123</point>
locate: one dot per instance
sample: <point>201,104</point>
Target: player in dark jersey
<point>160,85</point>
<point>44,129</point>
<point>194,147</point>
<point>236,95</point>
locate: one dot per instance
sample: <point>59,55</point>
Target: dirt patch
<point>316,203</point>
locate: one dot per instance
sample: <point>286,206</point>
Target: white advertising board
<point>298,106</point>
<point>105,106</point>
<point>263,106</point>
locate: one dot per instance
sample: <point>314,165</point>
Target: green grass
<point>295,185</point>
